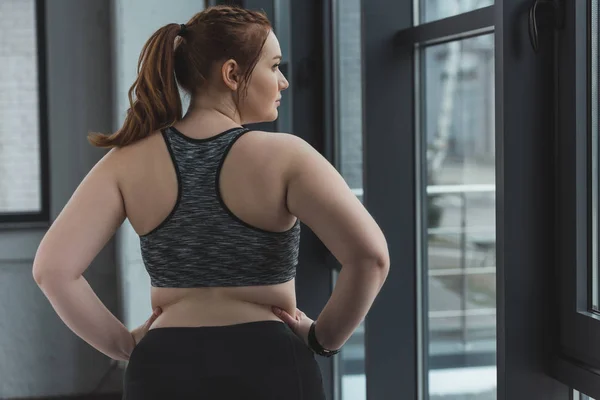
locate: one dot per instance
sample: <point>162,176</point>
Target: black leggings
<point>257,360</point>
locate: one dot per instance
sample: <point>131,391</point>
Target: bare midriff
<point>220,306</point>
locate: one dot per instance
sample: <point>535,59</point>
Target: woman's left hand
<point>299,323</point>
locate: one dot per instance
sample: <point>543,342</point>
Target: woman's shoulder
<point>126,160</point>
<point>144,145</point>
<point>277,146</point>
<point>287,143</point>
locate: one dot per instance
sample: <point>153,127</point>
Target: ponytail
<point>157,103</point>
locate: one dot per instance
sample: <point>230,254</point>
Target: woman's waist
<point>201,307</point>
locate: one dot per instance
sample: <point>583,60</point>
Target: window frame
<point>524,199</point>
<point>415,40</point>
<point>577,359</point>
<point>42,217</point>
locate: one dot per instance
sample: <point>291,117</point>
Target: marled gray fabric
<point>201,243</point>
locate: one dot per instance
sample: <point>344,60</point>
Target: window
<point>348,159</point>
<point>580,396</point>
<point>463,167</point>
<point>348,93</point>
<point>579,350</point>
<point>458,128</point>
<point>432,10</point>
<point>23,147</point>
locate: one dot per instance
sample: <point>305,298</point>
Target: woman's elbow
<point>39,272</point>
<point>43,270</point>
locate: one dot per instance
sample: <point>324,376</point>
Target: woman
<point>217,208</point>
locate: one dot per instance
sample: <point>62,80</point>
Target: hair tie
<point>182,30</point>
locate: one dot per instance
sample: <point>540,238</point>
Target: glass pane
<point>432,10</point>
<point>580,396</point>
<point>349,153</point>
<point>594,145</point>
<point>19,130</point>
<point>460,245</point>
<point>348,98</point>
<point>462,290</point>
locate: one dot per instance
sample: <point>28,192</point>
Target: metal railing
<point>461,192</point>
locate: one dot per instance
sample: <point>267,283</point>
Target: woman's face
<point>261,99</point>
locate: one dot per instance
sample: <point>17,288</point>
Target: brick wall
<point>19,132</point>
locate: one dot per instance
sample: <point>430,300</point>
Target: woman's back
<point>252,186</point>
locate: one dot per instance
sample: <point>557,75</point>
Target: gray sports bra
<point>201,242</point>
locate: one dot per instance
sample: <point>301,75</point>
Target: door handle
<point>533,19</point>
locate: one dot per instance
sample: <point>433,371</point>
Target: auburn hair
<point>184,55</point>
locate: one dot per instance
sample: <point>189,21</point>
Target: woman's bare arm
<point>321,199</point>
<point>88,221</point>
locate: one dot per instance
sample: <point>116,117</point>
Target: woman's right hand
<point>139,332</point>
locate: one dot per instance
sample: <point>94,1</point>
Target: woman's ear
<point>230,74</point>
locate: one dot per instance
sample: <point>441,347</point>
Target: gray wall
<point>39,355</point>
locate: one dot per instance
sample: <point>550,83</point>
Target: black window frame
<point>524,197</point>
<point>26,219</point>
<point>577,359</point>
<point>415,40</point>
